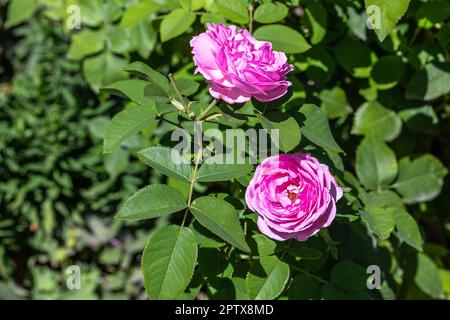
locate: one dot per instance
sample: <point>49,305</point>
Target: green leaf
<point>132,89</point>
<point>267,279</point>
<point>316,18</point>
<point>233,10</point>
<point>283,38</point>
<point>116,162</point>
<point>421,119</point>
<point>103,69</point>
<point>375,120</point>
<point>316,128</point>
<point>215,169</point>
<point>358,63</point>
<point>380,221</point>
<point>175,24</point>
<point>289,134</point>
<point>168,262</point>
<point>85,43</point>
<point>376,165</point>
<point>221,218</point>
<point>145,72</point>
<point>420,180</point>
<point>153,201</point>
<point>117,39</point>
<point>304,253</point>
<point>270,12</point>
<point>19,11</point>
<point>429,83</point>
<point>303,287</point>
<point>264,245</point>
<point>387,80</point>
<point>407,228</point>
<point>155,92</point>
<point>126,124</point>
<point>329,292</point>
<point>142,38</point>
<point>187,87</point>
<point>427,277</point>
<point>349,276</point>
<point>334,103</point>
<point>390,14</point>
<point>137,13</point>
<point>168,161</point>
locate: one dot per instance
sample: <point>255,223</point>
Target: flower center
<point>292,196</point>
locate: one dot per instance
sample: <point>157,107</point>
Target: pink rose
<point>294,195</point>
<point>238,66</point>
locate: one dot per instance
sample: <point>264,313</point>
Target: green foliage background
<point>385,94</point>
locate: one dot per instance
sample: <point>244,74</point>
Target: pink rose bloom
<point>294,195</point>
<point>238,66</point>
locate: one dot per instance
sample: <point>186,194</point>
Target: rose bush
<point>369,104</point>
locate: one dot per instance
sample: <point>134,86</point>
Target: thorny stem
<point>205,112</point>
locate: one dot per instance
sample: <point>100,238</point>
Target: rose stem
<point>205,112</point>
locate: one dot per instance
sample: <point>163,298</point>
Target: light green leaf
<point>270,12</point>
<point>168,161</point>
<point>125,124</point>
<point>283,38</point>
<point>264,245</point>
<point>103,69</point>
<point>168,262</point>
<point>374,119</point>
<point>289,134</point>
<point>407,228</point>
<point>176,23</point>
<point>334,103</point>
<point>221,218</point>
<point>427,277</point>
<point>233,10</point>
<point>316,128</point>
<point>85,43</point>
<point>215,169</point>
<point>380,221</point>
<point>19,11</point>
<point>116,162</point>
<point>153,201</point>
<point>429,83</point>
<point>138,12</point>
<point>316,17</point>
<point>145,72</point>
<point>132,89</point>
<point>267,279</point>
<point>376,165</point>
<point>421,179</point>
<point>142,38</point>
<point>390,13</point>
